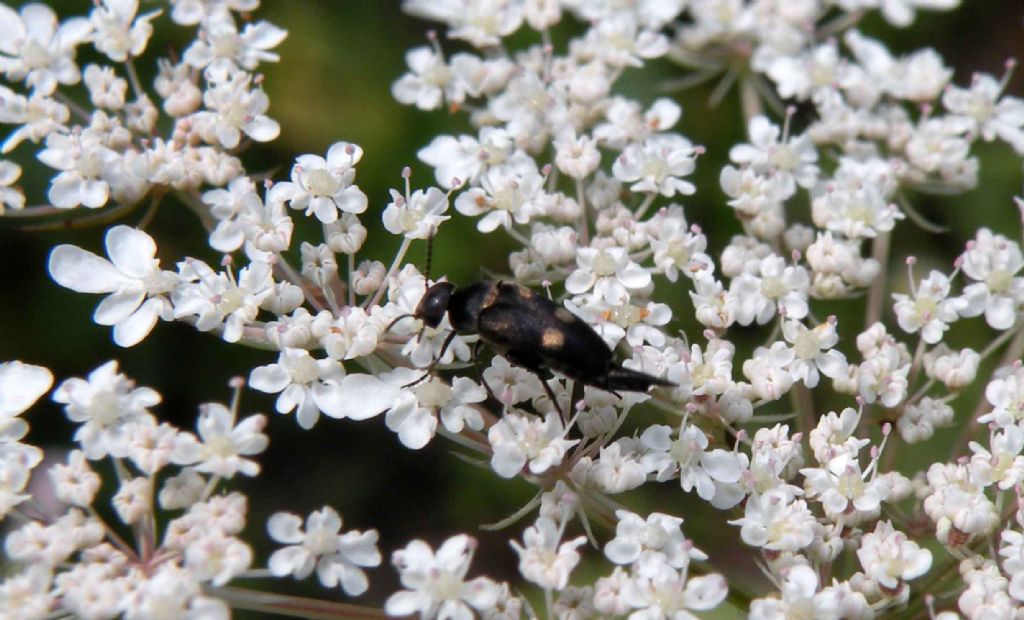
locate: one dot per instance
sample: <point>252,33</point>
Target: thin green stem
<point>292,606</point>
<point>876,293</point>
<point>395,264</point>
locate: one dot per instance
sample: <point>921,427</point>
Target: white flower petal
<point>131,251</point>
<point>84,272</point>
<point>117,307</point>
<point>359,397</point>
<point>21,385</point>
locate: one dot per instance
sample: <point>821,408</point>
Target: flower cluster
<point>593,186</point>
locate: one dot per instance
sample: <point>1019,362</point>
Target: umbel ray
<point>527,329</point>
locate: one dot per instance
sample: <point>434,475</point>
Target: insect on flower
<point>530,331</point>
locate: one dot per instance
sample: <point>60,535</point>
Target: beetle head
<point>434,304</point>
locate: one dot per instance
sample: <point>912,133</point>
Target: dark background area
<point>333,84</point>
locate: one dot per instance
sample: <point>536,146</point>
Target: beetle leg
<point>430,368</point>
<point>479,370</point>
<point>551,395</point>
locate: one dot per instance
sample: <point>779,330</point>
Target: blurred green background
<point>333,84</point>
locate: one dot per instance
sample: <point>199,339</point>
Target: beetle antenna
<point>396,320</point>
<point>430,252</point>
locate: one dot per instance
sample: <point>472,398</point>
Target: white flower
<point>618,468</point>
<point>576,156</point>
<point>35,48</point>
<point>802,75</point>
<point>678,248</point>
<point>520,439</point>
<point>788,158</point>
<point>222,50</point>
<point>89,590</point>
<point>660,534</point>
<point>106,404</point>
<point>136,285</point>
<point>853,209</point>
<point>511,384</point>
<point>931,309</point>
<point>85,163</point>
<point>417,216</point>
<point>437,586</point>
<point>14,477</point>
<point>697,467</point>
<point>106,90</point>
<point>883,374</point>
<point>542,559</point>
<point>219,300</point>
<point>777,521</point>
<point>427,82</point>
<point>414,416</point>
<point>337,557</point>
<point>1004,464</point>
<point>51,544</point>
<point>216,557</point>
<point>768,371</point>
<point>222,444</point>
<point>29,593</point>
<point>11,196</point>
<point>813,351</point>
<point>1006,395</point>
<point>75,482</point>
<point>508,192</point>
<point>902,12</point>
<point>133,500</point>
<point>174,591</point>
<point>119,34</point>
<point>846,493</point>
<point>993,262</point>
<point>38,115</point>
<point>324,186</point>
<point>774,286</point>
<point>919,420</point>
<point>656,165</point>
<point>481,24</point>
<point>987,111</point>
<point>314,385</point>
<point>182,490</point>
<point>21,385</point>
<point>610,272</point>
<point>466,157</point>
<point>233,109</point>
<point>664,592</point>
<point>938,147</point>
<point>955,369</point>
<point>890,558</point>
<point>627,122</point>
<point>834,435</point>
<point>958,504</point>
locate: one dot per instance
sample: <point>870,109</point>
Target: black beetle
<point>530,331</point>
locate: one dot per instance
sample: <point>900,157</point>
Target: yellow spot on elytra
<point>552,339</point>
